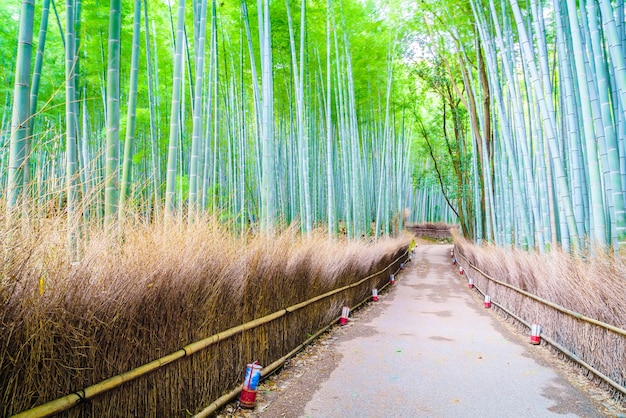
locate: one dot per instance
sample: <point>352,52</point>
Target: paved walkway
<point>429,349</point>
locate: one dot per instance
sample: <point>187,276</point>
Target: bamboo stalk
<point>18,158</point>
<point>111,193</point>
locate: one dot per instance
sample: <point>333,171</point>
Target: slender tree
<point>70,127</point>
<point>132,110</point>
<point>111,191</point>
<point>34,90</point>
<point>175,120</point>
<point>330,183</point>
<point>19,122</point>
<point>268,204</point>
<point>198,109</point>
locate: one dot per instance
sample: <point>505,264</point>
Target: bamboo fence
<point>354,292</point>
<point>594,345</point>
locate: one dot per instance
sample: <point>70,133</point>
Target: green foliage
<point>366,35</point>
<point>182,186</point>
<point>9,16</point>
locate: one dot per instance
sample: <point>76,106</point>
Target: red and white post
<point>392,279</point>
<point>461,270</point>
<point>344,315</point>
<point>470,283</point>
<point>535,334</point>
<point>247,398</point>
<point>487,301</point>
<point>374,295</point>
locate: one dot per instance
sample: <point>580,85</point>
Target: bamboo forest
<point>351,116</point>
<point>229,176</point>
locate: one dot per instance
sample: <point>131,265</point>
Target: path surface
<point>427,349</point>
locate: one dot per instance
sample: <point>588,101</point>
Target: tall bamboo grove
<point>253,111</point>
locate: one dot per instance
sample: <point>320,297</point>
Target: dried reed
<point>66,326</point>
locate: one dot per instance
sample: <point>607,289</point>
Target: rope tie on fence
<point>81,397</point>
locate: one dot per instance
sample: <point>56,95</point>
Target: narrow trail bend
<point>427,349</point>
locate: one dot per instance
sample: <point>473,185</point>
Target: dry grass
<point>595,288</point>
<point>129,302</point>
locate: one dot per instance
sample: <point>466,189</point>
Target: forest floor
<point>428,348</point>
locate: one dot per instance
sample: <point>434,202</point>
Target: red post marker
<point>392,279</point>
<point>487,302</point>
<point>461,270</point>
<point>344,315</point>
<point>247,398</point>
<point>535,334</point>
<point>453,260</point>
<point>470,283</point>
<point>375,295</point>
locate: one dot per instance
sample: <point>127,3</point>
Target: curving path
<point>427,349</point>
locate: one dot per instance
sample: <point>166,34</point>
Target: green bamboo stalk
<point>616,51</point>
<point>175,120</point>
<point>577,178</point>
<point>131,112</point>
<point>87,186</point>
<point>70,121</point>
<point>58,19</point>
<point>535,73</point>
<point>18,145</point>
<point>243,134</point>
<point>255,89</point>
<point>111,188</point>
<point>505,123</point>
<point>598,230</point>
<point>211,110</point>
<point>618,212</point>
<point>41,44</point>
<point>383,177</point>
<point>197,113</point>
<point>332,217</point>
<point>152,104</point>
<point>157,90</point>
<point>298,77</point>
<point>268,205</point>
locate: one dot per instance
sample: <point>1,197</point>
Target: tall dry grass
<point>594,287</point>
<point>66,326</point>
